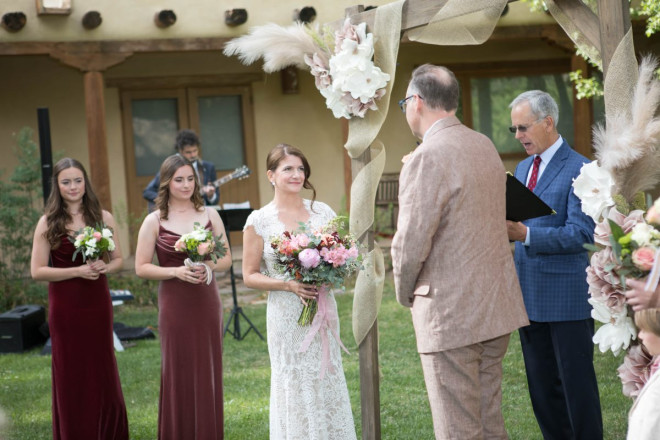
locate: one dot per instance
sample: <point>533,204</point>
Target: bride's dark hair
<point>280,152</point>
<point>57,216</point>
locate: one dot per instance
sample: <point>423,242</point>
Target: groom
<point>452,260</point>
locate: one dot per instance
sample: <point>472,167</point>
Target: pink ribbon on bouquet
<point>324,319</point>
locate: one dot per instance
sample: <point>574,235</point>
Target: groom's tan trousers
<point>465,393</point>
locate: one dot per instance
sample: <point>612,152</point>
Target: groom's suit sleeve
<point>422,201</point>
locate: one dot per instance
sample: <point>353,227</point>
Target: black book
<point>521,203</point>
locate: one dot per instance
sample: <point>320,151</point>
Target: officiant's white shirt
<point>546,157</point>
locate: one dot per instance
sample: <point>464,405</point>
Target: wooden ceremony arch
<point>604,32</point>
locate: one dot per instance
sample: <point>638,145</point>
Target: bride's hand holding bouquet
<point>316,261</point>
<point>322,258</point>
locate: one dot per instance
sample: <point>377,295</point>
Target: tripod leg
<point>236,312</point>
<point>250,324</point>
<point>237,324</point>
<point>232,316</point>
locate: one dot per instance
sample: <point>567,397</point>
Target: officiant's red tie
<point>535,173</point>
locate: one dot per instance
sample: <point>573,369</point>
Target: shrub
<point>21,206</point>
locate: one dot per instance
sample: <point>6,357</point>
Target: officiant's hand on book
<point>516,230</point>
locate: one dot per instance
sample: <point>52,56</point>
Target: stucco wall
<point>28,82</point>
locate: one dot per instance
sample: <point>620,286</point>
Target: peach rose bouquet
<point>200,244</point>
<point>635,251</point>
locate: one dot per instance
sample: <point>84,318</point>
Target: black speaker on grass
<point>19,328</point>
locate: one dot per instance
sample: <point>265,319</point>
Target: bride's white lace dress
<point>302,406</point>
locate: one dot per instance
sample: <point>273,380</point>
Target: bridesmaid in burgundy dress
<point>87,400</point>
<point>190,312</point>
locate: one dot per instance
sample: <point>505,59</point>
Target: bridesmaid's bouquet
<point>92,242</point>
<point>324,257</point>
<point>200,244</point>
<point>635,251</point>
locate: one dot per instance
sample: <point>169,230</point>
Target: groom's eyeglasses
<point>404,101</point>
<point>523,128</point>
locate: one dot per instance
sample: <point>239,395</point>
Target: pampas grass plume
<point>629,146</point>
<point>279,46</point>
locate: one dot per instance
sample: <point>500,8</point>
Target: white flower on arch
<point>594,188</point>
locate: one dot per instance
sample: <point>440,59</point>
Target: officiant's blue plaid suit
<point>557,345</point>
<point>552,268</point>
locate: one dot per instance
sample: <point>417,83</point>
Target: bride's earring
<point>272,183</point>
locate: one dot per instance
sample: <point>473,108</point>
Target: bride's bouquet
<point>200,244</point>
<point>92,242</point>
<point>324,257</point>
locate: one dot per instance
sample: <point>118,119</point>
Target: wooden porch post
<point>583,114</point>
<point>96,137</point>
<point>93,64</point>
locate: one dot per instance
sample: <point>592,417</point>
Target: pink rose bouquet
<point>626,246</point>
<point>92,242</point>
<point>200,244</point>
<point>324,257</point>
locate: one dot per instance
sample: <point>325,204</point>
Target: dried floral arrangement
<point>341,62</point>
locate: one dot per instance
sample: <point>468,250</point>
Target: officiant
<point>551,262</point>
<point>187,144</point>
<point>452,260</point>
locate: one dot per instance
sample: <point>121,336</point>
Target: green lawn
<point>405,414</point>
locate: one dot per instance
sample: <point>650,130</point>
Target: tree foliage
<point>20,208</point>
<point>648,10</point>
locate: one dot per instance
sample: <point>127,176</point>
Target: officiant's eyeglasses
<point>404,101</point>
<point>523,128</point>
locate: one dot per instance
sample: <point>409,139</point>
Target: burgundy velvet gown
<point>88,403</point>
<point>190,330</point>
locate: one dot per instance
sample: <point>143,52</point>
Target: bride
<point>302,405</point>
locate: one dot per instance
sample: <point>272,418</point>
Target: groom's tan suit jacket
<point>451,255</point>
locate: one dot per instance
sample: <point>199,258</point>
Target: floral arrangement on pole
<point>342,66</point>
<point>200,244</point>
<point>612,192</point>
<point>92,242</point>
<point>325,257</point>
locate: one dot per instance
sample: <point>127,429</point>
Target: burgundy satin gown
<point>190,330</point>
<point>88,403</point>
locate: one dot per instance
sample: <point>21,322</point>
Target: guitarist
<point>187,145</point>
